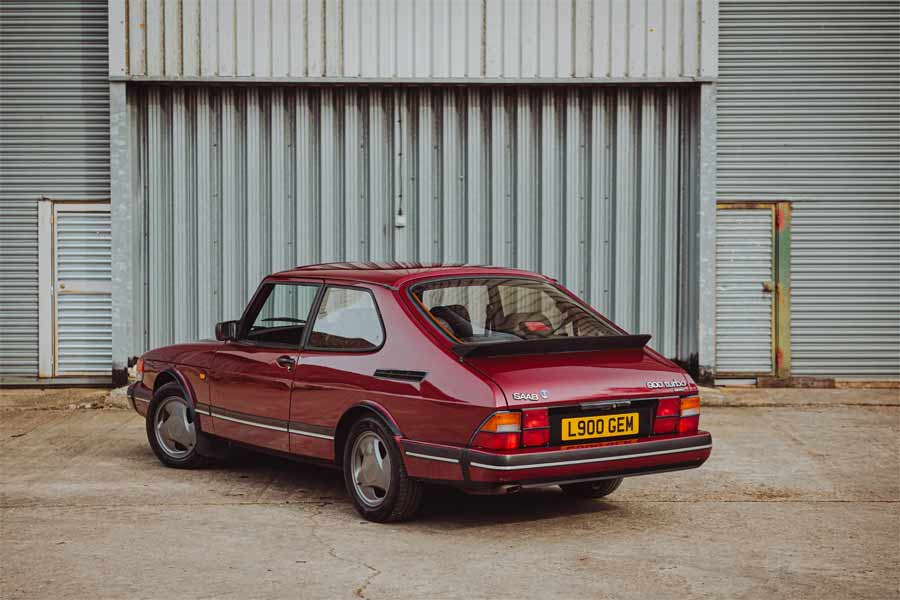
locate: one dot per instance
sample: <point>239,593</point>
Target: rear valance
<point>554,345</point>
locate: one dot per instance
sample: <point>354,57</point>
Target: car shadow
<point>442,506</point>
<point>449,507</point>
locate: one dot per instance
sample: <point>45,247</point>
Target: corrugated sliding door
<point>82,289</point>
<point>745,274</point>
<point>597,187</point>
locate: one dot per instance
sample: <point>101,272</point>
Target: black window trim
<point>259,298</point>
<point>421,309</point>
<point>307,333</point>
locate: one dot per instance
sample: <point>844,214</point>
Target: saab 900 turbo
<point>488,379</point>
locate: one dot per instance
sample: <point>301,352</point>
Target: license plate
<point>603,426</point>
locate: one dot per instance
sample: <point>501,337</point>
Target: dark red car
<point>489,379</point>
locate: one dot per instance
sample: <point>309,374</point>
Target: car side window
<point>347,320</point>
<point>282,318</point>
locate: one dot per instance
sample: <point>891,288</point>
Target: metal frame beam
<point>706,233</point>
<point>123,252</point>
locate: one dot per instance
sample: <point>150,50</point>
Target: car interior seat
<point>456,317</point>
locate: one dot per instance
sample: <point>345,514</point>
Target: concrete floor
<point>795,502</point>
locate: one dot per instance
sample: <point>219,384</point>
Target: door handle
<point>287,362</point>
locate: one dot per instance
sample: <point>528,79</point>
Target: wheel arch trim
<point>181,380</point>
<point>351,414</point>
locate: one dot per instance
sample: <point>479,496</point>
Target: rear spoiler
<point>573,344</point>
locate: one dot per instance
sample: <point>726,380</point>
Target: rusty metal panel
<point>435,40</point>
<point>54,141</point>
<point>594,186</point>
<point>809,113</point>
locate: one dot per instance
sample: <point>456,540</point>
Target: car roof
<point>394,274</point>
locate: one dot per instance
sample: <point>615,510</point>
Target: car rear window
<point>347,320</point>
<point>487,310</point>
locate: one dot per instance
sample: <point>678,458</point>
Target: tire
<point>378,485</point>
<point>592,489</point>
<point>178,445</point>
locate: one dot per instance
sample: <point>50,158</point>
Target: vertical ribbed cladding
<point>478,176</point>
<point>54,141</point>
<point>593,186</point>
<point>140,251</point>
<point>551,200</point>
<point>527,161</point>
<point>502,173</point>
<point>453,175</point>
<point>414,39</point>
<point>809,112</point>
<point>687,131</point>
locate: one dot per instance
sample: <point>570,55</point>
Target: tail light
<point>511,430</point>
<point>690,415</point>
<point>139,367</point>
<point>502,431</point>
<point>681,415</point>
<point>536,427</point>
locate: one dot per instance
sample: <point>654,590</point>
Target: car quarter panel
<point>446,406</point>
<point>187,362</point>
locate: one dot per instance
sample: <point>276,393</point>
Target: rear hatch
<point>603,395</point>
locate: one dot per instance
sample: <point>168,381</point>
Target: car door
<point>252,376</point>
<point>337,367</point>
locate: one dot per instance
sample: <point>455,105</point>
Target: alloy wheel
<point>175,430</point>
<point>371,468</point>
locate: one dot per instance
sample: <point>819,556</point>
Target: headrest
<point>457,316</point>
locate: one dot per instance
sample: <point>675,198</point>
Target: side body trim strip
<point>310,434</point>
<point>251,423</point>
<point>428,457</point>
<point>315,431</point>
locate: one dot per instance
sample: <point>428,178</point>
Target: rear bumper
<point>494,472</point>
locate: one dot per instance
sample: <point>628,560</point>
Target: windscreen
<point>488,310</point>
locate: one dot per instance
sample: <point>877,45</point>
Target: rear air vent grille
<point>400,375</point>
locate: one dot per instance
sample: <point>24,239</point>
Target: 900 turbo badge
<point>674,383</point>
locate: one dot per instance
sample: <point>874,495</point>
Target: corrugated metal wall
<point>414,39</point>
<point>744,315</point>
<point>594,186</point>
<point>54,141</point>
<point>809,111</point>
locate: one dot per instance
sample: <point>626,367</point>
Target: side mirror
<point>226,331</point>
